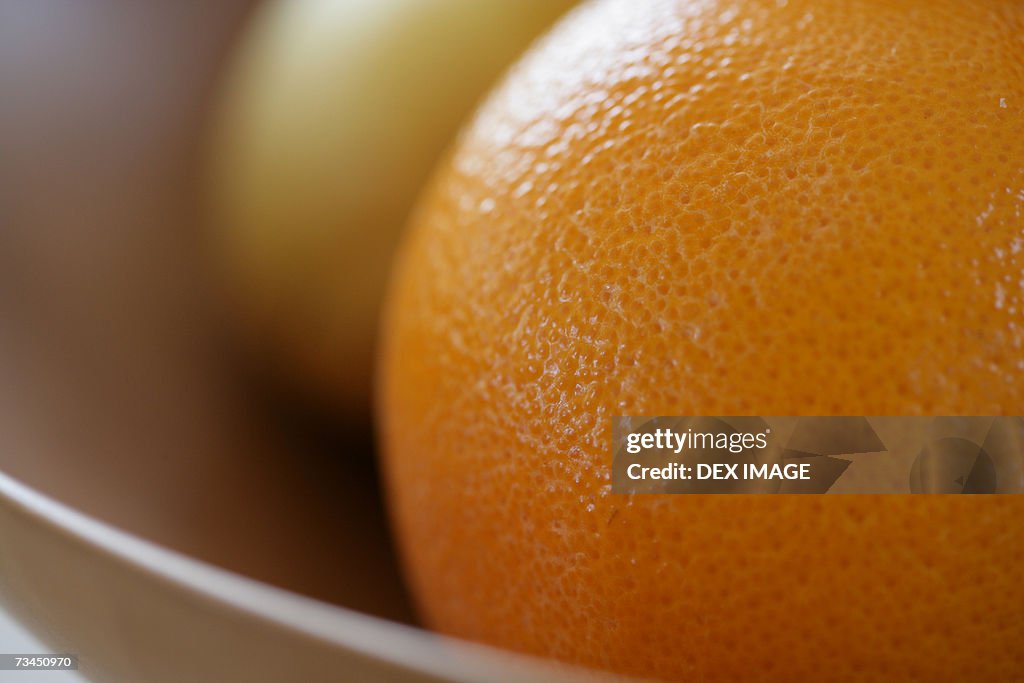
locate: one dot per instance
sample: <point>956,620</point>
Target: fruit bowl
<point>152,519</point>
<point>677,209</point>
<point>135,611</point>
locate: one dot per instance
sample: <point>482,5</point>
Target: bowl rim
<point>408,647</point>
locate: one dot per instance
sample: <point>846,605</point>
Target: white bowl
<point>134,611</point>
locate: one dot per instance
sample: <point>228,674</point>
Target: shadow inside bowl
<point>117,395</point>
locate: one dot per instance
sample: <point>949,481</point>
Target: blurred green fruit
<point>333,114</point>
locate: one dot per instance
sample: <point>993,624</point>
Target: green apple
<point>332,116</point>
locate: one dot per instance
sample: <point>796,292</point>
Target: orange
<point>718,208</point>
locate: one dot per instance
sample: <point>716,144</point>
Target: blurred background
<point>198,207</point>
<point>120,394</point>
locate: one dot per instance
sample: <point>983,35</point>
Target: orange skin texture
<point>717,208</point>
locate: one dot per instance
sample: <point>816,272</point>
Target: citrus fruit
<point>760,207</point>
<point>332,115</point>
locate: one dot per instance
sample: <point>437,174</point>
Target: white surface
<point>15,640</point>
<point>186,594</point>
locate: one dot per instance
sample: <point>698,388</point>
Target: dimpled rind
<point>718,208</point>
